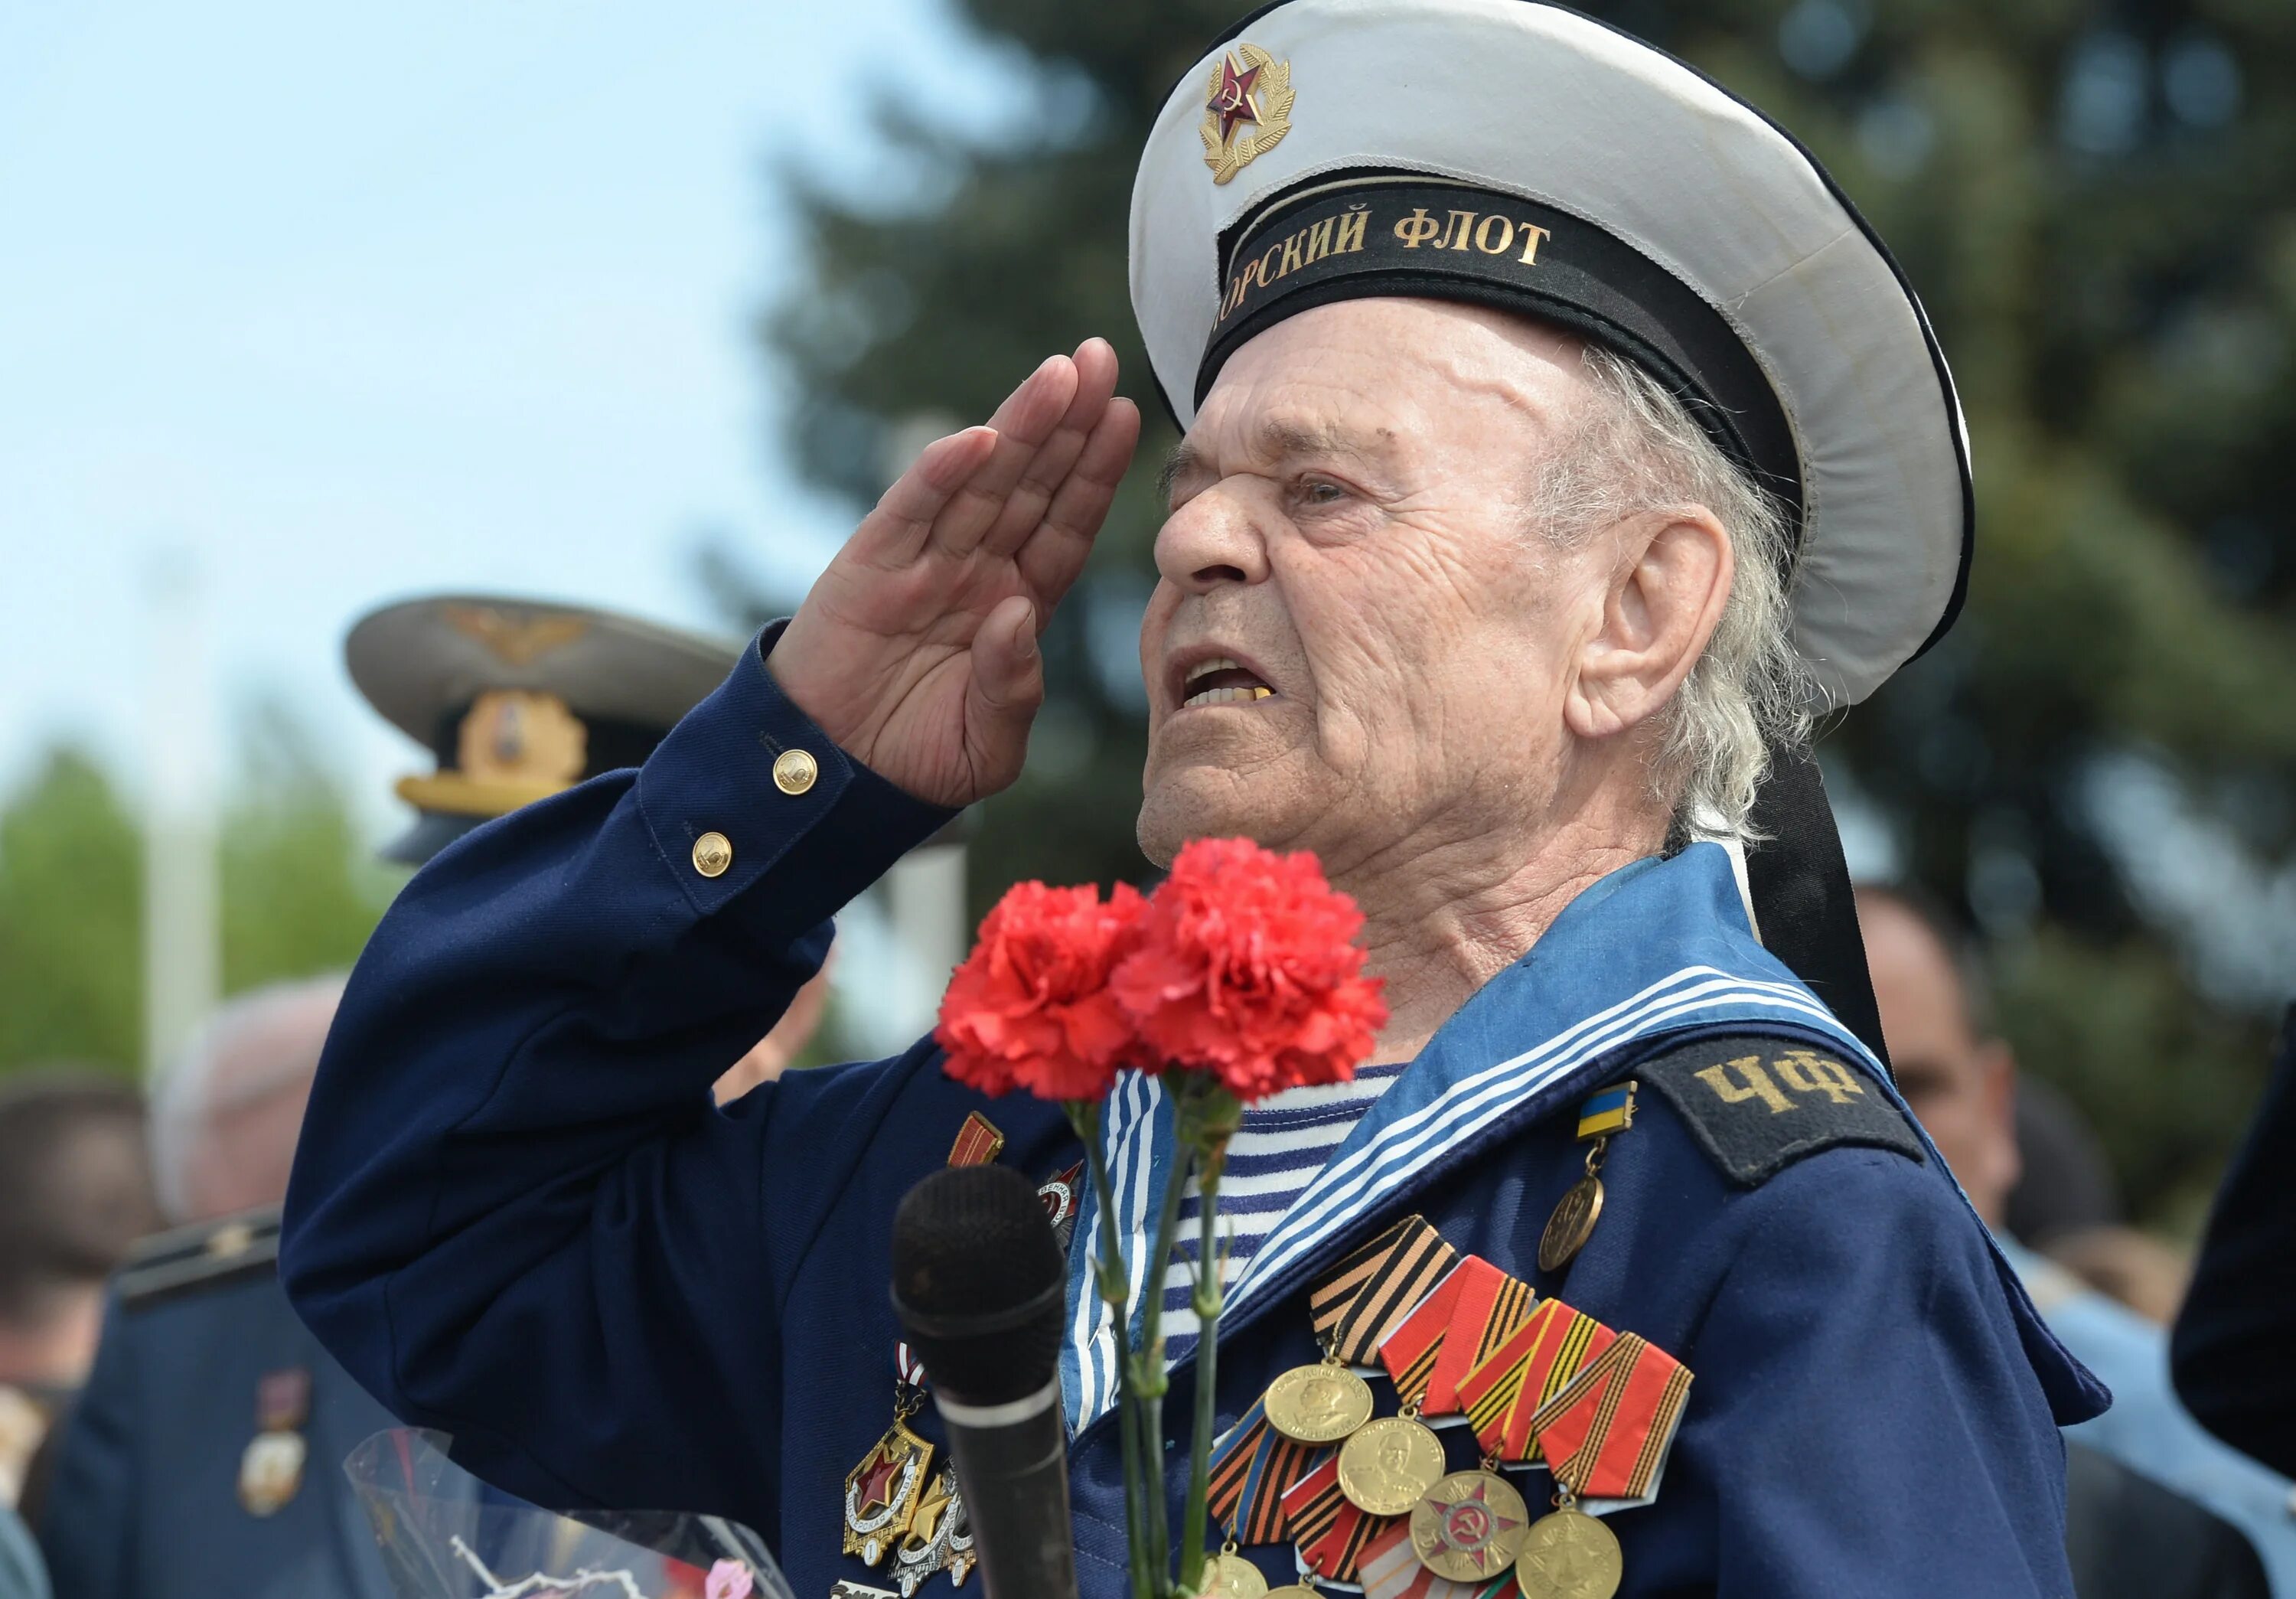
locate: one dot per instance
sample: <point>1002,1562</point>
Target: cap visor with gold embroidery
<point>1515,154</point>
<point>520,698</point>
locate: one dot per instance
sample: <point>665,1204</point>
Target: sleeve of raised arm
<point>1875,1424</point>
<point>516,1214</point>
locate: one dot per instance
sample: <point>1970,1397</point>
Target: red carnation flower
<point>1247,968</point>
<point>1031,1007</point>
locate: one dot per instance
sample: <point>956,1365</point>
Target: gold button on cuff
<point>713,852</point>
<point>794,771</point>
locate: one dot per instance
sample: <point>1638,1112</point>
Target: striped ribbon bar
<point>907,1367</point>
<point>977,1142</point>
<point>1363,1298</point>
<point>1427,1354</point>
<point>1537,1359</point>
<point>1605,1432</point>
<point>1390,1568</point>
<point>1251,1468</point>
<point>1331,1532</point>
<point>1613,1110</point>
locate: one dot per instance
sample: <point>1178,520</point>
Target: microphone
<point>981,1290</point>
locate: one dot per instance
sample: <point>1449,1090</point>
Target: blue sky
<point>345,303</point>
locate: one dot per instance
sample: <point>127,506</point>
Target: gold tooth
<point>1259,693</point>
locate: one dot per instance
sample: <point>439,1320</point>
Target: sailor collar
<point>1657,947</point>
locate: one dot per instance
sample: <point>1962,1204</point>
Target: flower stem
<point>1208,1312</point>
<point>1149,1365</point>
<point>1084,1115</point>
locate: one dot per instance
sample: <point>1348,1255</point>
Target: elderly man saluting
<point>1555,436</point>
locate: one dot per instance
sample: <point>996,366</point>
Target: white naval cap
<point>1512,153</point>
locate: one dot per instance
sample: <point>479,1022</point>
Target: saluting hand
<point>916,649</point>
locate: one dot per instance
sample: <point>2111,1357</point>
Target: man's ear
<point>1665,593</point>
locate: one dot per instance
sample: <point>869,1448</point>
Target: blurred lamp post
<point>181,959</point>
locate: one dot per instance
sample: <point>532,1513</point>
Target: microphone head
<point>979,1284</point>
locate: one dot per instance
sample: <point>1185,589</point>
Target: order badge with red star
<point>881,1493</point>
<point>1247,108</point>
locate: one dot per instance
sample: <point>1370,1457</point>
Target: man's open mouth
<point>1221,681</point>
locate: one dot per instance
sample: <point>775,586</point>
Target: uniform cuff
<point>746,785</point>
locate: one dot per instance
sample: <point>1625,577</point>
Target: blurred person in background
<point>2235,1342</point>
<point>201,1458</point>
<point>75,1196</point>
<point>2154,1506</point>
<point>205,1458</point>
<point>780,1048</point>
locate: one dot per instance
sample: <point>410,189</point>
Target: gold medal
<point>1318,1403</point>
<point>1573,1223</point>
<point>1388,1464</point>
<point>882,1492</point>
<point>271,1472</point>
<point>1569,1556</point>
<point>1469,1526</point>
<point>1227,1575</point>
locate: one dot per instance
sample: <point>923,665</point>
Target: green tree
<point>301,894</point>
<point>2095,202</point>
<point>71,885</point>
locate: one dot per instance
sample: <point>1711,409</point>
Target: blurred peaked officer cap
<point>1520,156</point>
<point>519,699</point>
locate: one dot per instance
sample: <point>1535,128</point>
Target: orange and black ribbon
<point>1605,1432</point>
<point>1451,1331</point>
<point>1537,1359</point>
<point>1330,1530</point>
<point>1251,1469</point>
<point>1362,1299</point>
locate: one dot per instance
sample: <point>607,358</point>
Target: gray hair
<point>1633,447</point>
<point>249,1051</point>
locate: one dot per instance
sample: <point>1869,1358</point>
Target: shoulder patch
<point>1756,1104</point>
<point>208,1254</point>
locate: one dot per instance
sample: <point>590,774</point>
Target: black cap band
<point>1424,238</point>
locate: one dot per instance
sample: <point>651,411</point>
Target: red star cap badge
<point>1232,99</point>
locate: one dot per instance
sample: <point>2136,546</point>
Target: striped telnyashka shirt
<point>1279,1149</point>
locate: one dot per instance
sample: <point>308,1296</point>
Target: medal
<point>1612,1110</point>
<point>939,1537</point>
<point>1227,1575</point>
<point>1318,1403</point>
<point>882,1492</point>
<point>1569,1556</point>
<point>1573,1221</point>
<point>1469,1526</point>
<point>271,1466</point>
<point>1389,1465</point>
<point>271,1471</point>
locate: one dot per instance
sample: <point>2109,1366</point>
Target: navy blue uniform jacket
<point>144,1503</point>
<point>517,1218</point>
